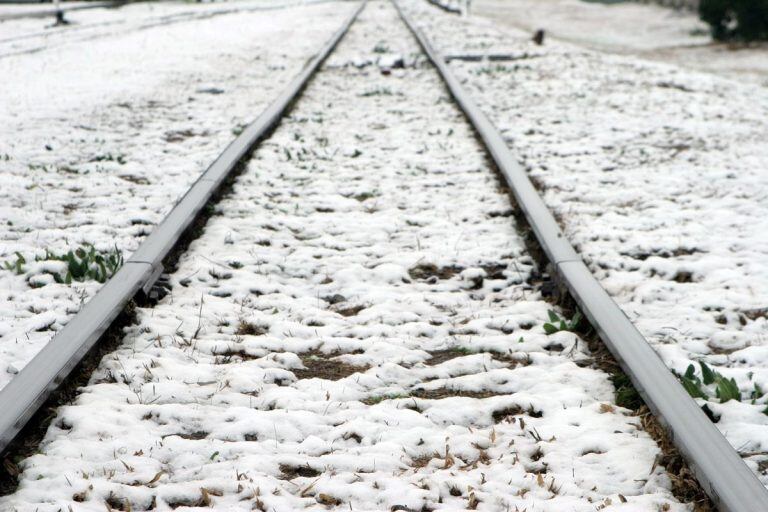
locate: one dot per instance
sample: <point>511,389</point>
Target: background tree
<point>742,20</point>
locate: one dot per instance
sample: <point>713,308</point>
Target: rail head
<point>724,476</point>
<point>28,391</point>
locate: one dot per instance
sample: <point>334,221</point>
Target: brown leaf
<point>11,468</point>
<point>604,408</point>
<point>205,498</point>
<point>327,499</point>
<point>308,488</point>
<point>156,477</point>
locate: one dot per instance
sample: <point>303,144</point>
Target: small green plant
<point>237,130</point>
<point>83,263</point>
<point>38,167</point>
<point>86,263</point>
<point>492,69</point>
<point>380,398</point>
<point>626,394</point>
<point>17,267</point>
<point>377,91</point>
<point>724,389</point>
<point>557,324</point>
<point>109,157</point>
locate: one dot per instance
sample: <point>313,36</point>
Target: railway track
<point>329,341</point>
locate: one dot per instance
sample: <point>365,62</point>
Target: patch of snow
<point>646,30</point>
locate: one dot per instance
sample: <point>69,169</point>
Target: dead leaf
<point>327,499</point>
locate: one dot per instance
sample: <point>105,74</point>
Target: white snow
<point>98,138</point>
<point>370,231</point>
<point>658,175</point>
<point>647,31</point>
<point>36,7</point>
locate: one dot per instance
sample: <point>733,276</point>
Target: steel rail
<point>25,393</point>
<point>724,476</point>
<point>446,8</point>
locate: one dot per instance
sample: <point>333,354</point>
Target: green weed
<point>17,267</point>
<point>711,380</point>
<point>380,398</point>
<point>377,91</point>
<point>626,394</point>
<point>492,69</point>
<point>109,157</point>
<point>557,324</point>
<point>84,263</point>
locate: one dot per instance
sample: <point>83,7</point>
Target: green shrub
<point>740,20</point>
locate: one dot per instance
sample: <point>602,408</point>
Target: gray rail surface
<point>23,396</point>
<point>724,476</point>
<point>444,6</point>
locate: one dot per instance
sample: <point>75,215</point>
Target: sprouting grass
<point>492,70</point>
<point>712,385</point>
<point>377,91</point>
<point>109,157</point>
<point>39,167</point>
<point>17,266</point>
<point>626,394</point>
<point>380,398</point>
<point>84,263</point>
<point>381,48</point>
<point>237,130</point>
<point>557,324</point>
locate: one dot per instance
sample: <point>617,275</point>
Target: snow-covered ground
<point>19,9</point>
<point>99,138</point>
<point>658,175</point>
<point>37,34</point>
<point>647,31</point>
<point>357,328</point>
